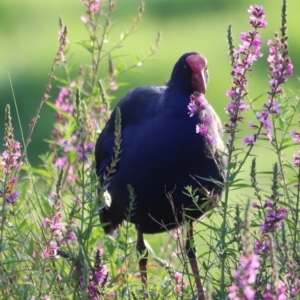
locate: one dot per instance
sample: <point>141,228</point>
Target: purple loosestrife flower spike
<point>244,57</point>
<point>12,198</point>
<point>12,153</point>
<point>64,103</point>
<point>197,105</point>
<point>278,294</point>
<point>273,218</point>
<point>296,156</point>
<point>51,251</point>
<point>296,159</point>
<point>295,136</point>
<point>280,67</point>
<point>71,235</point>
<point>181,284</point>
<point>97,277</point>
<point>111,294</point>
<point>245,276</point>
<point>55,226</point>
<point>84,149</point>
<point>257,19</point>
<point>250,140</point>
<point>262,247</point>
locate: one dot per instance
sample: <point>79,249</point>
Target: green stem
<point>296,216</point>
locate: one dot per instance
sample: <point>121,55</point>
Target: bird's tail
<point>110,225</point>
<point>110,216</point>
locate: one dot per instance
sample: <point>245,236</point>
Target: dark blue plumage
<point>161,153</point>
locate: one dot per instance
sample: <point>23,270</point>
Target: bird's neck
<point>177,98</point>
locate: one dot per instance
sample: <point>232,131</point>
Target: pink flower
<point>71,177</point>
<point>101,274</point>
<point>280,65</point>
<point>201,129</point>
<point>197,103</point>
<point>51,251</point>
<point>238,106</point>
<point>180,287</point>
<point>202,102</point>
<point>10,156</point>
<point>244,57</point>
<point>296,159</point>
<point>62,38</point>
<point>278,294</point>
<point>71,236</point>
<point>233,292</point>
<point>12,198</point>
<point>268,203</point>
<point>84,149</point>
<point>245,276</point>
<point>113,86</point>
<point>295,136</point>
<point>261,247</point>
<point>273,107</point>
<point>57,218</point>
<point>64,103</point>
<point>97,277</point>
<point>251,125</point>
<point>250,140</point>
<point>47,221</point>
<point>177,232</point>
<point>206,119</point>
<point>94,8</point>
<point>210,139</point>
<point>14,181</point>
<point>101,251</point>
<point>111,294</point>
<point>231,93</point>
<point>178,276</point>
<point>61,162</point>
<point>193,109</point>
<point>257,20</point>
<point>89,147</point>
<point>85,20</point>
<point>55,226</point>
<point>274,216</point>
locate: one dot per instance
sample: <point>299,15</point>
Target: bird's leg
<point>141,248</point>
<point>191,253</point>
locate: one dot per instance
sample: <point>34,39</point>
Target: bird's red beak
<point>198,64</point>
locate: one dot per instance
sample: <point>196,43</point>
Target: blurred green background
<point>29,42</point>
<point>28,36</point>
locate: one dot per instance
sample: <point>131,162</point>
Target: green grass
<point>30,35</point>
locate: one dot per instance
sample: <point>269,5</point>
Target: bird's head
<point>190,73</point>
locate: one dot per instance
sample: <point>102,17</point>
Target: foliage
<point>51,241</point>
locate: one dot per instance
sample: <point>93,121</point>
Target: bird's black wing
<point>137,106</point>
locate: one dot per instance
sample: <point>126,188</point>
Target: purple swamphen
<point>161,154</point>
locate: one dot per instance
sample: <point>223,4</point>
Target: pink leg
<point>191,253</point>
<point>141,248</point>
